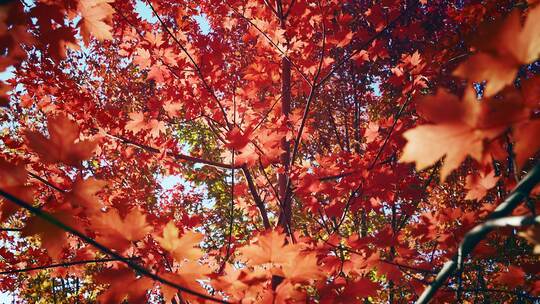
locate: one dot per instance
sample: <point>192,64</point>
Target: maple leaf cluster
<point>255,151</point>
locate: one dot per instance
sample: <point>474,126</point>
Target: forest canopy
<point>269,151</point>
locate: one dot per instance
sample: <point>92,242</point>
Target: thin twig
<point>258,201</point>
<point>195,64</point>
<point>46,182</point>
<point>231,214</point>
<point>312,93</point>
<point>176,156</point>
<point>374,162</point>
<point>294,65</point>
<point>365,44</point>
<point>339,64</point>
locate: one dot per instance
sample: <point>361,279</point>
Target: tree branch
<point>374,162</point>
<point>10,229</point>
<point>333,70</point>
<point>66,264</point>
<point>313,91</point>
<point>135,266</point>
<point>494,220</point>
<point>176,156</point>
<point>391,25</point>
<point>46,182</point>
<point>258,201</point>
<point>231,212</point>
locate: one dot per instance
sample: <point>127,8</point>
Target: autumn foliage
<point>261,151</point>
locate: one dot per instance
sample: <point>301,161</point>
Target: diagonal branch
<point>494,220</point>
<point>312,94</point>
<point>133,265</point>
<point>176,156</point>
<point>258,201</point>
<point>288,11</point>
<point>169,67</point>
<point>271,8</point>
<point>66,264</point>
<point>10,229</point>
<point>46,182</point>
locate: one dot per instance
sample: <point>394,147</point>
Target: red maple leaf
<point>63,144</point>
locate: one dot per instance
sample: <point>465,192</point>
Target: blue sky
<point>146,13</point>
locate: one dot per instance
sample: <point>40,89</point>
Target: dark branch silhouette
<point>473,237</point>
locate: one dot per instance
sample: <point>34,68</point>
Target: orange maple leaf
<point>247,155</point>
<point>117,232</point>
<point>372,132</point>
<point>143,58</point>
<point>270,248</point>
<point>527,141</point>
<point>302,268</point>
<point>514,277</point>
<point>84,194</point>
<point>236,139</point>
<point>362,288</point>
<point>532,235</point>
<point>510,46</point>
<point>12,180</point>
<point>138,123</point>
<point>460,128</point>
<point>188,275</point>
<point>181,248</point>
<point>63,144</point>
<point>286,292</point>
<point>123,285</point>
<point>478,185</point>
<point>94,15</point>
<point>238,282</point>
<point>53,239</point>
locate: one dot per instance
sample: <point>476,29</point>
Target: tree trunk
<point>286,212</point>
